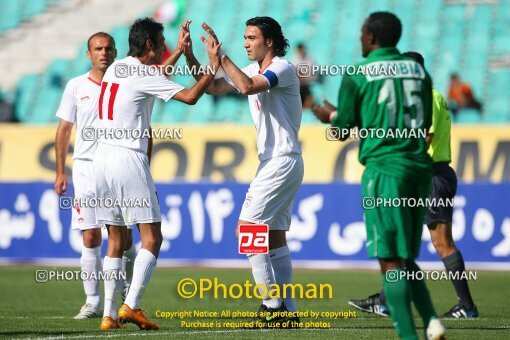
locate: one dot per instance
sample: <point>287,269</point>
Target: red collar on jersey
<point>95,82</point>
<point>260,71</point>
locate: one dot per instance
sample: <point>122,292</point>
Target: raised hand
<point>213,46</point>
<point>184,40</point>
<point>210,32</point>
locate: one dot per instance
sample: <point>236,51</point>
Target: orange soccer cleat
<point>126,314</point>
<point>109,323</point>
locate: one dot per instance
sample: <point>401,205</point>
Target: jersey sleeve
<point>279,74</point>
<point>348,105</point>
<point>160,87</point>
<point>67,107</point>
<point>436,110</point>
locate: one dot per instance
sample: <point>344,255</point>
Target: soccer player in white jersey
<point>272,87</point>
<point>121,167</point>
<point>79,105</point>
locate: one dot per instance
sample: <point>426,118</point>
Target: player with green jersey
<point>437,218</point>
<point>394,93</point>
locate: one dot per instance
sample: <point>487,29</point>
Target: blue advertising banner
<point>199,219</point>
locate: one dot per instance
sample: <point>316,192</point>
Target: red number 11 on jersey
<point>113,92</point>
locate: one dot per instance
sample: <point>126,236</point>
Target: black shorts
<point>444,187</point>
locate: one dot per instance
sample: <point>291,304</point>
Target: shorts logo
<point>253,239</point>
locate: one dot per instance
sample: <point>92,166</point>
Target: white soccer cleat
<point>89,311</point>
<point>436,330</point>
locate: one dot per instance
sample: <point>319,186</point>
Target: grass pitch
<point>45,310</point>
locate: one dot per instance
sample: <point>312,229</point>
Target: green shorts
<point>393,230</point>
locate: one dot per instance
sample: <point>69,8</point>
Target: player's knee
<point>158,240</point>
<point>92,238</point>
<point>444,247</point>
<point>154,241</point>
<point>129,242</point>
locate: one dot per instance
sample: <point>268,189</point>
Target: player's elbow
<point>246,90</point>
<point>249,89</point>
<point>190,99</point>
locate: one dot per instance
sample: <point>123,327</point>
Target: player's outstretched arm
<point>217,86</point>
<point>191,96</point>
<point>245,84</point>
<point>61,148</point>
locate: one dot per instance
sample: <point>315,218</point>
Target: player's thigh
<point>124,175</point>
<point>141,190</point>
<point>104,164</point>
<point>389,228</point>
<point>83,217</point>
<point>282,219</point>
<point>443,190</point>
<point>419,191</point>
<point>271,194</point>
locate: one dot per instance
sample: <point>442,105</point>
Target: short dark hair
<point>416,57</point>
<point>100,34</point>
<point>385,27</point>
<point>271,29</point>
<point>141,31</point>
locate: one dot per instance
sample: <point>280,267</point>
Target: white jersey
<point>79,105</point>
<point>277,111</point>
<point>127,97</point>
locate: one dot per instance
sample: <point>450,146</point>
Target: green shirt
<point>439,149</point>
<point>394,93</point>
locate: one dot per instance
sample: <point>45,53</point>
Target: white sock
<point>263,274</point>
<point>282,267</point>
<point>112,285</point>
<point>144,267</point>
<point>128,261</point>
<point>90,262</point>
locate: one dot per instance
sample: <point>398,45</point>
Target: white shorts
<point>123,175</point>
<point>83,218</point>
<point>270,198</point>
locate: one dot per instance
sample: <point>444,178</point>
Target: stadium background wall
<point>225,153</point>
<point>202,179</point>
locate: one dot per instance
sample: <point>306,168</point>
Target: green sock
<point>421,295</point>
<point>398,300</point>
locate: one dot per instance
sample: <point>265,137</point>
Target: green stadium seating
<point>13,12</point>
<point>451,37</point>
